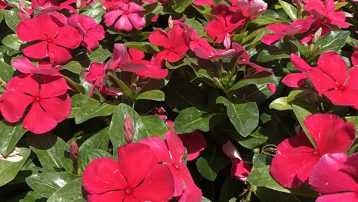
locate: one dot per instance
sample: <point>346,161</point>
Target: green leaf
<point>32,196</point>
<point>73,66</point>
<point>254,140</point>
<point>301,114</point>
<point>265,56</point>
<point>85,108</point>
<point>289,9</point>
<point>156,95</point>
<point>260,174</point>
<point>205,170</point>
<point>252,80</point>
<point>332,41</point>
<point>9,136</point>
<point>98,141</point>
<point>191,119</point>
<point>280,104</point>
<point>71,192</point>
<point>95,11</point>
<point>6,71</point>
<point>99,55</point>
<point>85,156</point>
<point>269,195</point>
<point>12,41</point>
<point>244,116</point>
<point>116,129</point>
<point>180,5</point>
<point>143,46</point>
<point>9,170</point>
<point>51,151</point>
<point>48,183</point>
<point>210,163</point>
<point>197,26</point>
<point>155,125</point>
<point>11,18</point>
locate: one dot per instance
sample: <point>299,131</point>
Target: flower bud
<point>74,151</point>
<point>128,128</point>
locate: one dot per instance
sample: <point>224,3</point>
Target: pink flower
<point>50,104</point>
<point>239,168</point>
<point>3,4</point>
<point>175,42</point>
<point>24,65</point>
<point>91,32</point>
<point>282,30</point>
<point>125,17</point>
<point>295,80</point>
<point>203,2</point>
<point>54,42</point>
<point>335,177</point>
<point>96,76</point>
<point>333,79</point>
<point>296,157</point>
<point>250,8</point>
<point>355,58</point>
<point>327,10</point>
<point>221,28</point>
<point>57,4</point>
<point>136,176</point>
<point>171,152</point>
<point>194,143</point>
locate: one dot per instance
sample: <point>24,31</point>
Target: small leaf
<point>71,192</point>
<point>52,152</point>
<point>180,5</point>
<point>155,125</point>
<point>244,116</point>
<point>85,108</point>
<point>156,95</point>
<point>99,55</point>
<point>205,170</point>
<point>9,136</point>
<point>95,11</point>
<point>49,182</point>
<point>289,9</point>
<point>191,119</point>
<point>73,66</point>
<point>9,170</point>
<point>99,140</point>
<point>87,155</point>
<point>6,71</point>
<point>11,18</point>
<point>280,104</point>
<point>12,41</point>
<point>332,41</point>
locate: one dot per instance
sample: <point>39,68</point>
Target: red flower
<point>175,42</point>
<point>194,143</point>
<point>296,80</point>
<point>137,176</point>
<point>239,168</point>
<point>333,79</point>
<point>3,4</point>
<point>221,28</point>
<point>129,17</point>
<point>355,58</point>
<point>54,42</point>
<point>296,157</point>
<point>335,177</point>
<point>249,8</point>
<point>57,4</point>
<point>203,2</point>
<point>282,30</point>
<point>24,65</point>
<point>327,10</point>
<point>171,153</point>
<point>96,76</point>
<point>50,104</point>
<point>91,32</point>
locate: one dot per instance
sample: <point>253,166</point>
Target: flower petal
<point>102,175</point>
<point>341,197</point>
<point>37,51</point>
<point>294,80</point>
<point>159,38</point>
<point>321,81</point>
<point>159,148</point>
<point>58,107</point>
<point>334,66</point>
<point>175,146</point>
<point>68,37</point>
<point>52,86</point>
<point>38,121</point>
<point>111,196</point>
<point>13,105</point>
<point>58,54</point>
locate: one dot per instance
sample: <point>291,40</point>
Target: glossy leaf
<point>9,136</point>
<point>71,192</point>
<point>156,95</point>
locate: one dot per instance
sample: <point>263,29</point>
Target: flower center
<point>37,99</point>
<point>340,87</point>
<point>128,191</point>
<point>125,12</point>
<point>49,40</point>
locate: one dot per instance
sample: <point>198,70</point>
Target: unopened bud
<point>128,129</point>
<point>74,151</point>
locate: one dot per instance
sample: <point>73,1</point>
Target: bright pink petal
<point>112,196</point>
<point>159,148</point>
<point>343,97</point>
<point>321,81</point>
<point>299,63</point>
<point>111,16</point>
<point>30,30</point>
<point>159,38</point>
<point>294,80</point>
<point>37,51</point>
<point>334,66</point>
<point>58,54</point>
<point>157,186</point>
<point>13,105</point>
<point>329,175</point>
<point>341,197</point>
<point>137,20</point>
<point>26,84</point>
<point>191,192</point>
<point>355,58</point>
<point>102,175</point>
<point>132,8</point>
<point>171,56</point>
<point>135,162</point>
<point>175,146</point>
<point>94,36</point>
<point>330,133</point>
<point>68,37</point>
<point>294,161</point>
<point>123,23</point>
<point>240,169</point>
<point>58,108</point>
<point>38,121</point>
<point>52,86</point>
<point>270,39</point>
<point>352,79</point>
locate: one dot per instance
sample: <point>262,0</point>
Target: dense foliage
<point>178,100</point>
